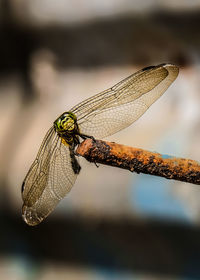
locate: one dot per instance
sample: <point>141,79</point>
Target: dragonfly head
<point>65,123</point>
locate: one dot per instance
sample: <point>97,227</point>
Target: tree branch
<point>140,161</point>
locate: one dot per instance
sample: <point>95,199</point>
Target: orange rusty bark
<point>140,161</point>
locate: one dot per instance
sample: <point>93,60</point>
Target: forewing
<point>36,178</point>
<point>116,108</point>
<point>59,179</point>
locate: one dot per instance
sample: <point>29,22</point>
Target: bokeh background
<point>113,224</point>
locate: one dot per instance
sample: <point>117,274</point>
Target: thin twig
<point>139,160</point>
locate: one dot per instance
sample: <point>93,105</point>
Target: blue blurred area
<point>153,196</point>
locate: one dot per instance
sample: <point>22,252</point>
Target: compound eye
<point>64,121</point>
<point>65,118</point>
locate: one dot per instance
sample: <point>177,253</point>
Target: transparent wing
<point>36,178</point>
<point>49,179</point>
<point>116,108</point>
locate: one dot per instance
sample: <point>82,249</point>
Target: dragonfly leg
<point>96,165</point>
<point>84,136</point>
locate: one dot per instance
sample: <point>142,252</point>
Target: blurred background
<point>113,224</point>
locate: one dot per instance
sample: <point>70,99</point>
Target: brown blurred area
<point>54,54</point>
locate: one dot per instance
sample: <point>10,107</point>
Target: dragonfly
<point>55,169</point>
